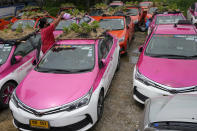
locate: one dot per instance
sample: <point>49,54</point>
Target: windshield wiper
<point>82,70</point>
<point>170,56</point>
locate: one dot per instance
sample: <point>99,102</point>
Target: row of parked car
<point>65,90</point>
<point>164,78</point>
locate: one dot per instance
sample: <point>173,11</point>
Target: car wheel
<point>118,65</point>
<point>5,94</point>
<point>100,105</point>
<point>128,45</point>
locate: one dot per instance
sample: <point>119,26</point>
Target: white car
<point>15,63</point>
<point>66,90</point>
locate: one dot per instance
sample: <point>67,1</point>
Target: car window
<point>112,24</point>
<point>24,24</point>
<point>24,48</point>
<point>132,12</point>
<point>64,23</point>
<point>168,19</point>
<point>128,20</point>
<point>105,46</point>
<point>96,12</point>
<point>5,50</point>
<point>85,19</point>
<point>69,58</point>
<point>182,45</point>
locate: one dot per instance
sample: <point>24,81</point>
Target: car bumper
<point>123,47</point>
<point>80,119</point>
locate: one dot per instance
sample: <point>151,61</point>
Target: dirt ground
<point>121,112</point>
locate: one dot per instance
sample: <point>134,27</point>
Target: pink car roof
<point>116,3</point>
<point>180,29</point>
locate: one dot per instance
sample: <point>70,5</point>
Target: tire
<point>5,94</point>
<point>100,105</point>
<point>128,45</point>
<point>118,65</point>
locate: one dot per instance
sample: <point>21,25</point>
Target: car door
<point>28,53</point>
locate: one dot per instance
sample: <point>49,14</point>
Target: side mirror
<point>18,58</point>
<point>102,63</point>
<point>140,48</point>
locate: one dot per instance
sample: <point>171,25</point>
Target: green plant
<point>28,26</point>
<point>94,25</point>
<point>75,27</point>
<point>85,28</point>
<point>101,6</point>
<point>19,28</point>
<point>66,30</point>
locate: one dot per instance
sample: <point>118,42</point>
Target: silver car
<point>170,113</point>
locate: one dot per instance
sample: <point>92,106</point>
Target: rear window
<point>168,19</point>
<point>24,24</point>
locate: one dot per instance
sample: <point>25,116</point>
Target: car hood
<point>180,108</point>
<point>175,73</point>
<point>118,33</point>
<point>57,32</point>
<point>47,90</point>
<point>134,17</point>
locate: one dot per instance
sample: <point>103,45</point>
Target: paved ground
<point>121,112</point>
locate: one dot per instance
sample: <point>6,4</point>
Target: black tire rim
<point>100,106</point>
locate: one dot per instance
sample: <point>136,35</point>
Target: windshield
<point>144,4</point>
<point>168,46</point>
<point>132,12</point>
<point>96,12</point>
<point>85,19</point>
<point>174,126</point>
<point>68,59</point>
<point>152,10</point>
<point>115,6</point>
<point>5,50</point>
<point>168,19</point>
<point>64,23</point>
<point>112,24</point>
<point>24,23</point>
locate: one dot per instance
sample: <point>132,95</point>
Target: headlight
<point>122,39</point>
<point>78,103</point>
<point>135,22</point>
<point>141,78</point>
<point>14,99</point>
<point>146,81</point>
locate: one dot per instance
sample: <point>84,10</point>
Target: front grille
<point>139,95</point>
<point>72,127</point>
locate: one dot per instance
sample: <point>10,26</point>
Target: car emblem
<point>39,114</point>
<point>173,91</point>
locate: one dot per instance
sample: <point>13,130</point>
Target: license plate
<point>39,124</point>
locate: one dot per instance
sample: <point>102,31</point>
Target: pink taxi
<point>66,23</point>
<point>165,18</point>
<point>15,63</point>
<point>167,63</point>
<point>115,4</point>
<point>66,90</point>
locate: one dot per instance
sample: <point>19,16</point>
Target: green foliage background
<point>53,6</point>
